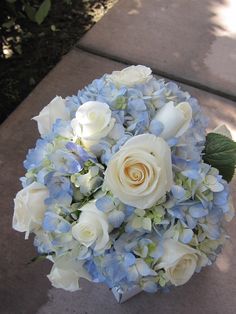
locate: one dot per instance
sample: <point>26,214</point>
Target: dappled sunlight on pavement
<point>225,16</point>
<point>221,57</point>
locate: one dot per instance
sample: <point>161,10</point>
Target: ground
<point>29,50</point>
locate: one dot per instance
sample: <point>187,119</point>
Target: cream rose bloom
<point>130,76</point>
<point>56,109</point>
<point>179,261</point>
<point>175,119</point>
<point>92,227</point>
<point>141,172</point>
<point>29,208</point>
<point>65,274</point>
<point>93,121</point>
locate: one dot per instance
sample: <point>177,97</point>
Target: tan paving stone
<point>192,40</point>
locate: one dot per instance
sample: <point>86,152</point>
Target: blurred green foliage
<point>12,25</point>
<point>36,12</point>
<point>34,35</point>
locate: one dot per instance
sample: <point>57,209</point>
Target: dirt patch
<point>29,50</point>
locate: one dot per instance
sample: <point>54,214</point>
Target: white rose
<point>29,208</point>
<point>56,109</point>
<point>175,119</point>
<point>179,261</point>
<point>141,172</point>
<point>131,76</point>
<point>65,274</point>
<point>92,227</point>
<point>93,121</point>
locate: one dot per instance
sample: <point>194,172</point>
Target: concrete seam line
<point>160,73</point>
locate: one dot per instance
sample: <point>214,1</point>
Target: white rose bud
<point>175,119</point>
<point>56,109</point>
<point>179,261</point>
<point>29,208</point>
<point>65,274</point>
<point>141,172</point>
<point>93,121</point>
<point>131,76</point>
<point>92,227</point>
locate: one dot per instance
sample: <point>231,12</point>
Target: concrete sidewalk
<point>24,289</point>
<point>191,41</point>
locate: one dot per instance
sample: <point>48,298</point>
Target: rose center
<point>182,267</point>
<point>92,115</point>
<point>136,172</point>
<point>86,233</point>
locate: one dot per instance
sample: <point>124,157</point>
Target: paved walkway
<point>192,41</point>
<point>24,289</point>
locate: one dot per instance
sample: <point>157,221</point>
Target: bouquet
<point>125,187</point>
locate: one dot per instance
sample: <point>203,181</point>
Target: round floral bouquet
<point>124,186</point>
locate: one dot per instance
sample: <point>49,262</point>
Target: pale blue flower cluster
<point>191,213</point>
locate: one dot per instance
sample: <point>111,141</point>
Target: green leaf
<point>40,257</point>
<point>18,49</point>
<point>42,11</point>
<point>8,24</point>
<point>220,153</point>
<point>30,12</point>
<point>69,2</point>
<point>37,258</point>
<point>162,282</point>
